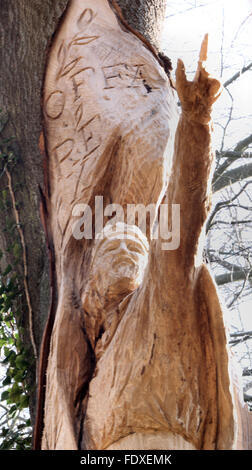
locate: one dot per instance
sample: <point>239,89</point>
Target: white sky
<point>230,48</point>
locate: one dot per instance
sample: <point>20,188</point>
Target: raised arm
<point>190,181</point>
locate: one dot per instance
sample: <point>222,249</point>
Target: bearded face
<point>119,262</point>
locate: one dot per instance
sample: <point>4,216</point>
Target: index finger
<point>202,56</point>
<point>204,49</point>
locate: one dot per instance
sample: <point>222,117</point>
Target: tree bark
<point>146,17</point>
<point>26,29</point>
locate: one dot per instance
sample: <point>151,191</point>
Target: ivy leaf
<point>7,381</point>
<point>19,376</point>
<point>15,394</point>
<point>21,426</point>
<point>5,432</point>
<point>13,410</point>
<point>5,395</point>
<point>24,401</point>
<point>7,319</point>
<point>21,363</point>
<point>12,358</point>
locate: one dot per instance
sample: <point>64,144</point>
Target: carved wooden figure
<point>138,353</point>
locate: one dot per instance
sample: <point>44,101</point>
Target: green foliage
<point>15,426</point>
<point>18,439</point>
<point>16,361</point>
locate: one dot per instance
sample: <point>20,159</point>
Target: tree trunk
<point>26,29</point>
<point>145,17</point>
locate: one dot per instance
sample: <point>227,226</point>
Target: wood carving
<point>138,354</point>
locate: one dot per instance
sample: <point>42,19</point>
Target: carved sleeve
<point>190,180</point>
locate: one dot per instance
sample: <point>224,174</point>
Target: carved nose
<point>123,247</point>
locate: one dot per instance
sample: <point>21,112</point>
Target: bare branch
<point>230,277</point>
<point>222,204</point>
<point>240,206</point>
<point>232,222</point>
<point>237,75</point>
<point>228,120</point>
<point>238,294</point>
<point>185,10</point>
<point>239,29</point>
<point>225,264</point>
<point>247,387</point>
<point>242,222</point>
<point>228,253</point>
<point>241,333</point>
<point>234,342</point>
<point>240,147</point>
<point>234,276</point>
<point>222,42</point>
<point>243,144</point>
<point>231,154</point>
<point>21,234</point>
<point>233,176</point>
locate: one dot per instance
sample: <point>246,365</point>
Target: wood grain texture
<point>136,361</point>
<point>91,143</point>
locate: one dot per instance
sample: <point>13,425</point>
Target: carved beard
<point>105,290</point>
<point>122,279</point>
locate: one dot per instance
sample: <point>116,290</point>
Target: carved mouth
<point>123,260</point>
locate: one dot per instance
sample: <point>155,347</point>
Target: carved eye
<point>136,248</point>
<point>112,246</point>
